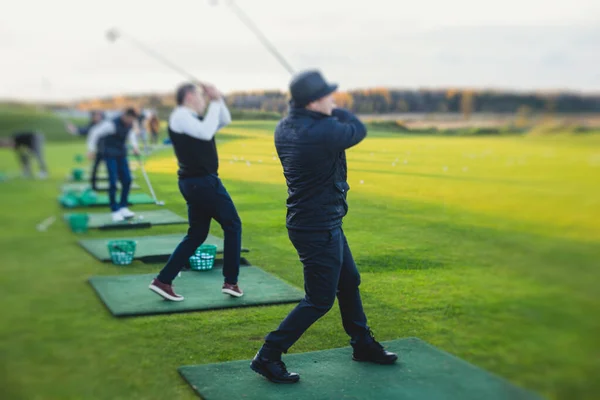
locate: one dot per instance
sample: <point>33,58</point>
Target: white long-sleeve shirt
<point>105,128</point>
<point>184,120</point>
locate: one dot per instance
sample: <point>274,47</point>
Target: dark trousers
<point>118,168</point>
<point>37,149</point>
<point>329,271</point>
<point>94,174</point>
<point>206,199</point>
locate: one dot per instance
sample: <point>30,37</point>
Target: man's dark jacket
<point>311,147</point>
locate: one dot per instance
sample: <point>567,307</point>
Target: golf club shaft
<point>242,16</point>
<point>42,226</point>
<point>148,181</point>
<point>165,61</point>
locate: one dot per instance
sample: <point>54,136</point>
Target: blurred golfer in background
<point>115,133</point>
<point>95,118</point>
<point>28,144</point>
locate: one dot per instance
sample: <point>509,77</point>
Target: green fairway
<point>485,247</point>
<point>19,117</point>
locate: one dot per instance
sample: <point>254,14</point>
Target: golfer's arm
<point>97,131</point>
<point>224,115</point>
<point>205,130</point>
<point>345,131</point>
<point>132,137</point>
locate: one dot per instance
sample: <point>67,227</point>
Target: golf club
<point>45,224</point>
<point>242,16</point>
<point>156,201</point>
<point>113,34</point>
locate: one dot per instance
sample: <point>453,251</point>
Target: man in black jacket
<point>311,143</point>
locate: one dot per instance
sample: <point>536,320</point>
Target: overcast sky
<point>58,50</point>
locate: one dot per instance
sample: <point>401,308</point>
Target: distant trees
<point>385,101</point>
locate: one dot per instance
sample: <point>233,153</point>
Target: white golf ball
<point>445,169</point>
<point>361,182</point>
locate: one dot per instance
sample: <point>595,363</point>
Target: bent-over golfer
<point>311,143</point>
<point>193,139</point>
<point>27,144</point>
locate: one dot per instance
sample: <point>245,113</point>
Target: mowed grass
<point>485,247</point>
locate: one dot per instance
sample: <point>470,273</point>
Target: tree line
<point>388,101</point>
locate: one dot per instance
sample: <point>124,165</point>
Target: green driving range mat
<point>142,219</point>
<point>99,177</point>
<point>148,248</point>
<point>423,372</point>
<point>128,295</point>
<point>102,200</point>
<point>83,186</point>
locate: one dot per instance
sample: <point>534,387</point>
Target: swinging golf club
<point>156,201</point>
<point>113,35</point>
<point>242,16</point>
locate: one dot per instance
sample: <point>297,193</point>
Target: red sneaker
<point>232,290</point>
<point>164,290</point>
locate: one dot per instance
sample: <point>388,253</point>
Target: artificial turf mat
<point>99,177</point>
<point>102,200</point>
<point>141,219</point>
<point>83,186</point>
<point>128,295</point>
<point>148,248</point>
<point>422,372</point>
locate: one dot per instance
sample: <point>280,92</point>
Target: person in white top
<point>193,139</point>
<point>115,134</point>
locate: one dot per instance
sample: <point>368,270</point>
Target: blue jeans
<point>118,168</point>
<point>206,199</point>
<point>329,271</point>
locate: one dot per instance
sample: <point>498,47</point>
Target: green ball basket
<point>121,251</point>
<point>69,200</point>
<point>88,197</point>
<point>78,174</point>
<point>204,258</point>
<point>79,222</point>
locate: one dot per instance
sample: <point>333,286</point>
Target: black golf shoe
<point>372,351</point>
<point>275,371</point>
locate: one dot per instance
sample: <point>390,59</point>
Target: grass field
<point>15,118</point>
<point>485,247</point>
